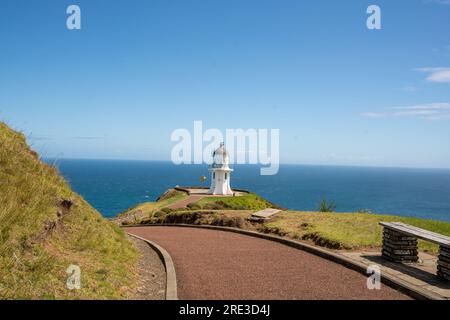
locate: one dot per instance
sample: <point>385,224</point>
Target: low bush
<point>326,206</point>
<point>235,222</point>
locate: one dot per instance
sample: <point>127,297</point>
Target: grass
<point>346,230</point>
<point>148,209</point>
<point>228,218</point>
<point>246,202</point>
<point>40,236</point>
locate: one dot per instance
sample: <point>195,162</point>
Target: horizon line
<point>281,164</point>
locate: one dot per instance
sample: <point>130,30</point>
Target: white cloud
<point>428,106</point>
<point>440,75</point>
<point>444,2</point>
<point>429,111</point>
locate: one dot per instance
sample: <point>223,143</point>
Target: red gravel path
<point>218,265</point>
<point>185,202</point>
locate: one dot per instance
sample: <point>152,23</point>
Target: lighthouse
<point>220,172</point>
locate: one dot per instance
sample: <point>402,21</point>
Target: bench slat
<point>420,232</point>
<point>423,232</point>
<point>417,232</point>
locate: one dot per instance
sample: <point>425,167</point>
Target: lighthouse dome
<point>221,158</point>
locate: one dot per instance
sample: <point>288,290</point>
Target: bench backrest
<point>418,233</point>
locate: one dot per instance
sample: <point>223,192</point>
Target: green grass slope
<point>347,230</point>
<point>148,209</point>
<point>45,227</point>
<point>249,201</point>
<point>344,231</point>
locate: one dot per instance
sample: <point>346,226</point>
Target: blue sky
<point>137,70</point>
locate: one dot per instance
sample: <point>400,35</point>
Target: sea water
<point>112,186</point>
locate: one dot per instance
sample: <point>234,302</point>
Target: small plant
<point>166,210</point>
<point>194,206</point>
<point>158,214</point>
<point>326,206</point>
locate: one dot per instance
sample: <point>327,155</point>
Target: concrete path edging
<point>171,277</point>
<point>389,280</point>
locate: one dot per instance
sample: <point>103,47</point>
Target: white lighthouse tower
<point>220,172</point>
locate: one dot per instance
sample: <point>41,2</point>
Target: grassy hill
<point>148,209</point>
<point>249,201</point>
<point>45,227</point>
<point>344,231</point>
<point>158,211</point>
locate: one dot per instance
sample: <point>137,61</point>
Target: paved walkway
<point>183,203</point>
<point>212,264</point>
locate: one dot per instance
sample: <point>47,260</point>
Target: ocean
<point>112,186</point>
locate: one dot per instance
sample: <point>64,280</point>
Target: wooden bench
<point>400,245</point>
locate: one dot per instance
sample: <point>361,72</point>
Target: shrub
<point>166,210</point>
<point>158,214</point>
<point>194,206</point>
<point>326,206</point>
<point>183,217</point>
<point>224,221</point>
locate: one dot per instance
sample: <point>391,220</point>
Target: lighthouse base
<point>221,192</point>
<point>220,183</point>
